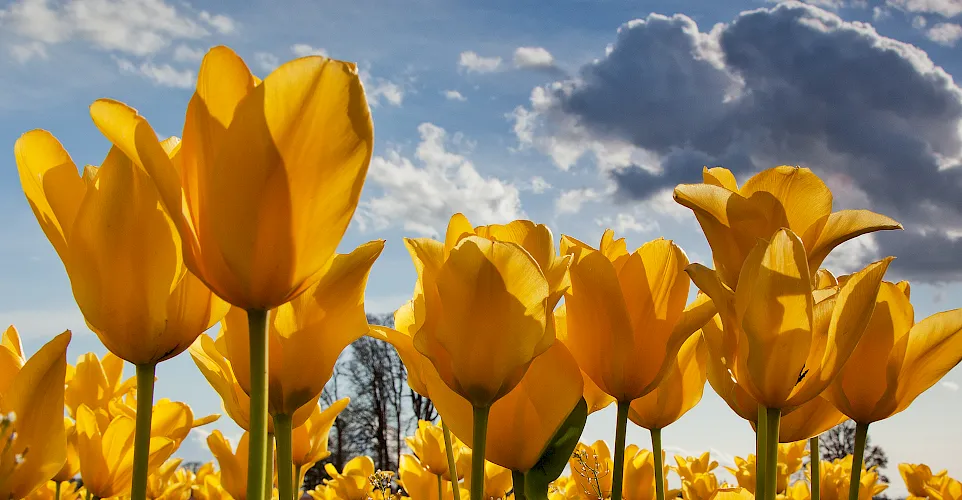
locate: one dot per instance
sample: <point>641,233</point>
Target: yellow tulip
<point>211,357</point>
<point>11,356</point>
<point>689,467</point>
<point>310,438</point>
<point>799,490</point>
<point>732,494</point>
<point>678,392</point>
<point>564,488</point>
<point>918,477</point>
<point>164,484</point>
<point>497,481</point>
<point>106,452</point>
<point>31,419</point>
<point>72,466</point>
<point>267,177</point>
<point>626,315</point>
<point>170,419</point>
<point>702,486</point>
<point>949,490</point>
<point>95,382</point>
<point>420,483</point>
<point>591,469</point>
<point>121,252</point>
<point>209,488</point>
<point>897,359</point>
<point>640,477</point>
<point>734,219</point>
<point>790,457</point>
<point>68,491</point>
<point>351,483</point>
<point>427,443</point>
<point>233,464</point>
<point>835,480</point>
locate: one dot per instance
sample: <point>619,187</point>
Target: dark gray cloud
<point>792,84</point>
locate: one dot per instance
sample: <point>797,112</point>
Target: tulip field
<point>514,333</point>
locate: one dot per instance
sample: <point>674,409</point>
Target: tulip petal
<point>711,205</point>
<point>679,391</point>
<point>52,184</point>
<point>934,348</point>
<point>721,177</point>
<point>791,197</point>
<point>595,398</point>
<point>844,225</point>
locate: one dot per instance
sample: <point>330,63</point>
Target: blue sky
<point>581,115</point>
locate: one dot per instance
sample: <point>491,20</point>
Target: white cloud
<point>944,8</point>
<point>945,34</point>
<point>919,22</point>
<point>453,95</point>
<point>952,386</point>
<point>164,75</point>
<point>570,201</point>
<point>304,50</point>
<point>185,53</point>
<point>473,63</point>
<point>377,89</point>
<point>24,52</point>
<point>420,194</point>
<point>624,223</point>
<point>136,27</point>
<point>533,57</point>
<point>266,61</point>
<point>539,185</point>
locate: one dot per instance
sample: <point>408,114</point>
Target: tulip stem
<point>517,482</point>
<point>621,428</point>
<point>477,452</point>
<point>814,463</point>
<point>145,407</point>
<point>761,451</point>
<point>771,454</point>
<point>285,457</point>
<point>440,487</point>
<point>269,470</point>
<point>452,465</point>
<point>88,496</point>
<point>297,480</point>
<point>861,435</point>
<point>257,457</point>
<point>659,464</point>
<point>56,491</point>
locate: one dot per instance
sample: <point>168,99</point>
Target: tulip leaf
<point>556,454</point>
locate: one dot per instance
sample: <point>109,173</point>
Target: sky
<point>582,116</point>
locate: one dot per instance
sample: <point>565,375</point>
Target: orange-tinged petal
<point>844,225</point>
<point>809,420</point>
<point>719,375</point>
<point>52,184</point>
<point>414,362</point>
<point>594,396</point>
<point>233,465</point>
<point>310,439</point>
<point>217,370</point>
<point>458,226</point>
<point>721,177</point>
<point>934,348</point>
<point>678,392</point>
<point>712,205</point>
<point>793,198</point>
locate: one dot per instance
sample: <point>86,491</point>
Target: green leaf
<point>556,454</point>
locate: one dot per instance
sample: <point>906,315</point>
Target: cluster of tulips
<point>238,223</point>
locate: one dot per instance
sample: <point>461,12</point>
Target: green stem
<point>56,491</point>
<point>517,481</point>
<point>761,451</point>
<point>145,407</point>
<point>861,435</point>
<point>88,496</point>
<point>269,473</point>
<point>771,454</point>
<point>659,465</point>
<point>297,480</point>
<point>477,453</point>
<point>452,465</point>
<point>440,487</point>
<point>621,428</point>
<point>285,457</point>
<point>257,458</point>
<point>815,464</point>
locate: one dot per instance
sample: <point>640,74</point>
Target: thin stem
<point>771,454</point>
<point>452,464</point>
<point>517,480</point>
<point>88,496</point>
<point>285,457</point>
<point>257,458</point>
<point>861,435</point>
<point>621,428</point>
<point>440,488</point>
<point>815,464</point>
<point>145,407</point>
<point>659,465</point>
<point>761,451</point>
<point>56,491</point>
<point>297,481</point>
<point>269,471</point>
<point>477,453</point>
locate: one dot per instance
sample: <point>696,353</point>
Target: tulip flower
<point>798,490</point>
<point>72,465</point>
<point>896,361</point>
<point>351,483</point>
<point>626,319</point>
<point>641,477</point>
<point>95,382</point>
<point>591,469</point>
<point>164,483</point>
<point>233,464</point>
<point>486,301</point>
<point>53,490</point>
<point>309,440</point>
<point>950,489</point>
<point>702,486</point>
<point>263,187</point>
<point>123,258</point>
<point>836,476</point>
<point>106,448</point>
<point>496,481</point>
<point>678,392</point>
<point>789,461</point>
<point>565,488</point>
<point>31,415</point>
<point>776,338</point>
<point>918,477</point>
<point>428,446</point>
<point>422,484</point>
<point>209,487</point>
<point>727,493</point>
<point>734,219</point>
<point>688,467</point>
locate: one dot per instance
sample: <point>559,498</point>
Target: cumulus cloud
<point>134,27</point>
<point>420,194</point>
<point>952,386</point>
<point>625,223</point>
<point>473,63</point>
<point>533,58</point>
<point>304,50</point>
<point>453,95</point>
<point>185,53</point>
<point>378,89</point>
<point>945,34</point>
<point>266,61</point>
<point>163,75</point>
<point>944,8</point>
<point>791,84</point>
